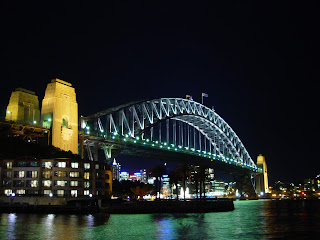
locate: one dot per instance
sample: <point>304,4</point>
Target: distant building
<point>116,168</point>
<point>151,180</point>
<point>136,177</point>
<point>124,176</point>
<point>144,175</point>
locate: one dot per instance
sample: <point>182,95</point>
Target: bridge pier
<point>245,185</point>
<point>92,148</point>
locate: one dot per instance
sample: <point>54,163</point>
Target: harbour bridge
<point>170,129</point>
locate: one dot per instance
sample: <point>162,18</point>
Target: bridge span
<point>173,129</point>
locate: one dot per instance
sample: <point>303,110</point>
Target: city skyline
<point>256,62</point>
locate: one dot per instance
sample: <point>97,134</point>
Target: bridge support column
<point>262,187</point>
<point>245,185</point>
<point>95,151</point>
<point>81,147</point>
<point>107,152</point>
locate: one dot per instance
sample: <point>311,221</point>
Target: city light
<point>197,152</point>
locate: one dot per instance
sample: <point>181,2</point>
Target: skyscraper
<point>116,168</point>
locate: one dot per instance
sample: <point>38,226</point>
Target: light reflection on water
<point>250,220</point>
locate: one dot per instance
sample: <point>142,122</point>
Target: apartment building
<point>61,177</point>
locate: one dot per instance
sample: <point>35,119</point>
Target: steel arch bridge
<point>165,128</point>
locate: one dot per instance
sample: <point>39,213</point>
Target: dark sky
<point>257,61</point>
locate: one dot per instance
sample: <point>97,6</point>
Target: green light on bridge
<point>192,151</point>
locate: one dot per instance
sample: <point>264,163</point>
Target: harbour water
<point>254,219</point>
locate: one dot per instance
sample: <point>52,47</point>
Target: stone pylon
<point>60,113</point>
<point>262,179</point>
<point>23,107</point>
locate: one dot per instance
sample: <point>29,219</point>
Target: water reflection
<point>11,221</point>
<point>249,220</point>
<point>48,226</point>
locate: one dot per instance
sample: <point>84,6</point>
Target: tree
<point>141,191</point>
<point>174,179</point>
<point>183,172</point>
<point>123,189</point>
<point>202,178</point>
<point>157,172</point>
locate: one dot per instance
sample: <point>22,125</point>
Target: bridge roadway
<point>121,145</point>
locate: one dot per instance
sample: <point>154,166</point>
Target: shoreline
<point>137,207</point>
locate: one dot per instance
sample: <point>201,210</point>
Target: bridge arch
<point>146,118</point>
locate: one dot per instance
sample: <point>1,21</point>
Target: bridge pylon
<point>262,187</point>
<point>60,113</point>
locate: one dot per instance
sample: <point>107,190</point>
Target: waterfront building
<point>71,178</point>
<point>219,188</point>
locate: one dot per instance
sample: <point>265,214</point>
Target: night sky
<point>257,62</point>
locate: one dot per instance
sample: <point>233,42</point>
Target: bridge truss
<point>166,124</point>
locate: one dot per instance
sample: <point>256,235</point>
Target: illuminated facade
<point>60,112</point>
<point>23,107</point>
<point>54,177</point>
<point>262,186</point>
<point>116,168</point>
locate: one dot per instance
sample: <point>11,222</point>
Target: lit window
<point>86,192</point>
<point>46,192</point>
<point>60,183</point>
<point>97,166</point>
<point>74,193</point>
<point>21,191</point>
<point>46,174</point>
<point>32,174</point>
<point>62,164</point>
<point>86,165</point>
<point>74,174</point>
<point>8,192</point>
<point>8,165</point>
<point>20,174</point>
<point>34,183</point>
<point>86,175</point>
<point>74,183</point>
<point>75,165</point>
<point>60,192</point>
<point>86,184</point>
<point>60,174</point>
<point>46,183</point>
<point>47,165</point>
